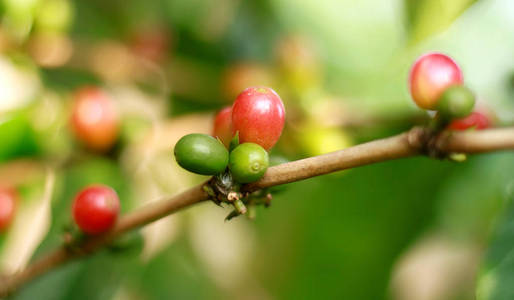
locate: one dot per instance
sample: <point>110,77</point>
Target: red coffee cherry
<point>8,198</point>
<point>96,209</point>
<point>476,120</point>
<point>94,119</point>
<point>430,75</point>
<point>258,115</point>
<point>223,125</point>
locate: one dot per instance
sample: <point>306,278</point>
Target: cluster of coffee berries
<point>242,135</point>
<point>436,83</point>
<point>95,209</point>
<point>237,151</point>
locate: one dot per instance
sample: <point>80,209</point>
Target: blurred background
<point>409,229</point>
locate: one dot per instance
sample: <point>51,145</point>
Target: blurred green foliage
<point>495,280</point>
<point>17,136</point>
<point>420,19</point>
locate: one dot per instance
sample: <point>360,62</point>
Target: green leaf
<point>16,135</point>
<point>471,199</point>
<point>496,279</point>
<point>428,17</point>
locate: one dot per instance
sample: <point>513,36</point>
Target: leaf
<point>234,142</point>
<point>427,17</point>
<point>471,199</point>
<point>496,279</point>
<point>16,135</point>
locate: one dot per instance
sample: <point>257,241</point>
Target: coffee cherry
<point>248,162</point>
<point>96,209</point>
<point>7,207</point>
<point>201,154</point>
<point>429,76</point>
<point>258,115</point>
<point>94,119</point>
<point>223,125</point>
<point>476,120</point>
<point>456,101</point>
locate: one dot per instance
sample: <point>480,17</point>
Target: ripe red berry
<point>476,120</point>
<point>430,75</point>
<point>7,206</point>
<point>96,208</point>
<point>258,115</point>
<point>223,125</point>
<point>94,119</point>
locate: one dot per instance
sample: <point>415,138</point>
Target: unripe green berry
<point>456,102</point>
<point>248,162</point>
<point>201,154</point>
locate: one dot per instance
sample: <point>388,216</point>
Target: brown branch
<point>63,254</point>
<point>403,145</point>
<point>480,141</point>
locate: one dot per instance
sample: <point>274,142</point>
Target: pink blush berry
<point>258,115</point>
<point>430,75</point>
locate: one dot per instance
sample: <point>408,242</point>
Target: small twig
<point>403,145</point>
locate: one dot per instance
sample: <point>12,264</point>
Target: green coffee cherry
<point>248,162</point>
<point>456,102</point>
<point>201,154</point>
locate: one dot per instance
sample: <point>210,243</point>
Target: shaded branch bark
<point>411,143</point>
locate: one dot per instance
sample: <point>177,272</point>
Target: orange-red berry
<point>94,119</point>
